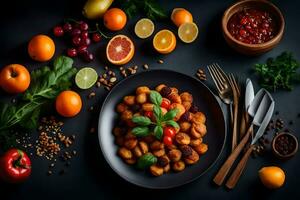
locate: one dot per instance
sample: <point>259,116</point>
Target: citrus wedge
<point>164,41</point>
<point>119,50</point>
<point>188,32</point>
<point>86,78</point>
<point>144,28</point>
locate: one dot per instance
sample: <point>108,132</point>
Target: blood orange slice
<point>120,50</point>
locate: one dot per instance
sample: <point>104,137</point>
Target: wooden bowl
<point>253,49</point>
<point>291,152</point>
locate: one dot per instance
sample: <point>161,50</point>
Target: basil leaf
<point>155,98</point>
<point>158,132</point>
<point>157,113</point>
<point>172,123</point>
<point>141,120</point>
<point>141,131</point>
<point>170,115</point>
<point>146,161</point>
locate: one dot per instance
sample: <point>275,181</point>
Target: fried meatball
<point>185,96</point>
<point>167,168</point>
<point>129,100</point>
<point>156,170</point>
<point>192,159</point>
<point>174,90</point>
<point>185,126</point>
<point>130,161</point>
<point>137,152</point>
<point>121,107</point>
<point>165,91</point>
<point>125,153</point>
<point>182,138</point>
<point>175,98</point>
<point>201,148</point>
<point>186,116</point>
<point>141,98</point>
<point>174,155</point>
<point>180,109</point>
<point>186,151</point>
<point>117,131</point>
<point>119,140</point>
<point>159,153</point>
<point>147,106</point>
<point>156,145</point>
<point>129,135</point>
<point>178,166</point>
<point>163,161</point>
<point>130,143</point>
<point>187,105</point>
<point>126,115</point>
<point>198,118</point>
<point>143,146</point>
<point>160,87</point>
<point>149,139</point>
<point>198,130</point>
<point>196,142</point>
<point>142,89</point>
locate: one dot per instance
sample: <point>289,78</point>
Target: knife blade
<point>249,93</point>
<point>265,121</point>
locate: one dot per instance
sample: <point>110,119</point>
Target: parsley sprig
<point>146,126</point>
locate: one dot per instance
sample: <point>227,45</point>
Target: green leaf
<point>172,123</point>
<point>141,120</point>
<point>141,131</point>
<point>158,132</point>
<point>146,161</point>
<point>157,113</point>
<point>170,115</point>
<point>155,98</point>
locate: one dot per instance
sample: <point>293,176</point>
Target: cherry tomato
<point>165,103</point>
<point>169,131</point>
<point>167,140</point>
<point>148,114</point>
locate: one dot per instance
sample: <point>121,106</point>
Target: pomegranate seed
<point>58,31</point>
<point>244,21</point>
<point>72,52</point>
<point>243,33</point>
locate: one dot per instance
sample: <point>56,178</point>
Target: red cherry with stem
<point>72,52</point>
<point>84,26</point>
<point>86,41</point>
<point>82,49</point>
<point>96,37</point>
<point>88,56</point>
<point>75,32</point>
<point>84,34</point>
<point>76,40</point>
<point>58,31</point>
<point>67,27</point>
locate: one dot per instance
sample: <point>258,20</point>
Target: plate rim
<point>171,186</point>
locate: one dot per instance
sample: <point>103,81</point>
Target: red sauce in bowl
<point>252,26</point>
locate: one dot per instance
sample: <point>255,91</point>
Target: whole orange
<point>272,177</point>
<point>68,103</point>
<point>114,19</point>
<point>41,48</point>
<point>180,16</point>
<point>14,78</point>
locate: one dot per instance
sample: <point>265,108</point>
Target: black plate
<point>203,98</point>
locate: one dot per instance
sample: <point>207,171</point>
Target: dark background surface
<point>89,176</point>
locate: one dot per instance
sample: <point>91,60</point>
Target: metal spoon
<point>260,106</point>
<point>262,116</point>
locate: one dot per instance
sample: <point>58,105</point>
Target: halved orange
<point>180,16</point>
<point>164,41</point>
<point>120,50</point>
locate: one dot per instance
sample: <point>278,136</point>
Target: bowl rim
<point>287,155</point>
<point>265,44</point>
<point>180,184</point>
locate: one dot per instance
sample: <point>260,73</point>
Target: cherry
<point>76,40</point>
<point>96,37</point>
<point>86,41</point>
<point>84,34</point>
<point>72,52</point>
<point>75,32</point>
<point>84,26</point>
<point>82,49</point>
<point>58,31</point>
<point>88,56</point>
<point>67,27</point>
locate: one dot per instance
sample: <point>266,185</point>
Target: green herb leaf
<point>172,123</point>
<point>155,98</point>
<point>170,115</point>
<point>141,120</point>
<point>141,131</point>
<point>146,161</point>
<point>279,73</point>
<point>158,132</point>
<point>157,113</point>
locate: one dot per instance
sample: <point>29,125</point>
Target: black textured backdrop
<point>89,176</point>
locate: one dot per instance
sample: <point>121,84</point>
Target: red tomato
<point>167,140</point>
<point>169,131</point>
<point>148,114</point>
<point>165,103</point>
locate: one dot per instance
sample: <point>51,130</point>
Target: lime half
<point>86,78</point>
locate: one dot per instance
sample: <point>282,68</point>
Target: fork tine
<point>214,78</point>
<point>220,72</point>
<point>220,82</point>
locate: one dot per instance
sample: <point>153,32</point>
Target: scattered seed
<point>135,67</point>
<point>98,84</point>
<point>106,68</point>
<point>160,61</point>
<point>74,152</point>
<point>91,95</point>
<point>104,75</point>
<point>145,66</point>
<point>49,173</point>
<point>113,79</point>
<point>91,108</point>
<point>107,88</point>
<point>13,100</point>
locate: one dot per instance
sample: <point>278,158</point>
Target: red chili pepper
<point>15,166</point>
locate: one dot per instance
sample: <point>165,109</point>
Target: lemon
<point>188,32</point>
<point>144,28</point>
<point>272,177</point>
<point>86,78</point>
